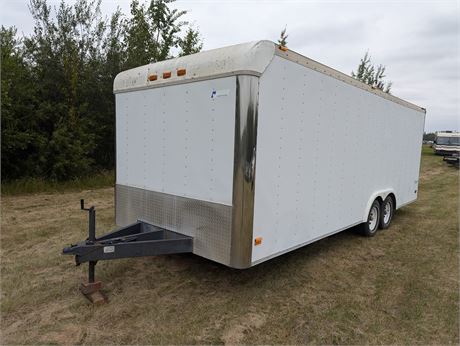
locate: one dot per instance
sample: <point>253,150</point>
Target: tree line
<point>429,136</point>
<point>57,104</point>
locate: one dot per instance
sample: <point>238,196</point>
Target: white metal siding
<point>323,148</point>
<point>178,140</point>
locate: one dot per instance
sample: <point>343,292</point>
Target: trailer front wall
<point>175,155</point>
<point>323,148</point>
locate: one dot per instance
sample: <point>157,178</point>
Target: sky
<point>417,41</point>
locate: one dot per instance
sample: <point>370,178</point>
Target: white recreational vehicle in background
<point>243,153</point>
<point>446,143</point>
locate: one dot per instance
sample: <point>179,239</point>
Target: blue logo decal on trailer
<point>219,93</point>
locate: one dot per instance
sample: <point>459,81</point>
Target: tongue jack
<point>92,289</point>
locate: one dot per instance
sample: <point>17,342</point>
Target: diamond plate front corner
<point>210,224</point>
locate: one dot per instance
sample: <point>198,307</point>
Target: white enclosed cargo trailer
<point>254,150</point>
<point>243,153</point>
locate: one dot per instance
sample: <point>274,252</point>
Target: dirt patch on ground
<point>434,172</point>
<point>235,334</point>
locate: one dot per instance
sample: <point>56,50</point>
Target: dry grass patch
<point>398,287</point>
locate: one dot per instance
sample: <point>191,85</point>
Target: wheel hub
<point>373,217</point>
<point>387,212</point>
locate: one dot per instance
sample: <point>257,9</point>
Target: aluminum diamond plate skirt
<point>210,224</point>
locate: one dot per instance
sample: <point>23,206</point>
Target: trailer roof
<point>250,58</point>
<point>246,58</point>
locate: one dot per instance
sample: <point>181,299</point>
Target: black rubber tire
<point>382,224</point>
<point>365,230</point>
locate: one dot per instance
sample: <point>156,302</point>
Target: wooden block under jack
<point>92,291</point>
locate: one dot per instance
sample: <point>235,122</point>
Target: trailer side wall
<point>324,148</point>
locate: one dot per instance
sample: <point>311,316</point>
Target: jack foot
<point>92,291</point>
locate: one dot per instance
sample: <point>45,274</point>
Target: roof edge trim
<point>246,58</point>
<point>329,71</point>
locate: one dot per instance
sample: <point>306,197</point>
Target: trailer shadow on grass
<point>201,269</point>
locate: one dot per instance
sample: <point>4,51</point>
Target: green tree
<point>152,32</point>
<point>282,41</point>
<point>429,136</point>
<point>22,141</point>
<point>65,55</point>
<point>113,58</point>
<point>191,42</point>
<point>372,75</point>
<point>58,111</point>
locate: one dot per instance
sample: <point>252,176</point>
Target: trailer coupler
<point>135,240</point>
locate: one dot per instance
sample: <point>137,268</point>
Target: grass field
<point>399,287</point>
<point>37,185</point>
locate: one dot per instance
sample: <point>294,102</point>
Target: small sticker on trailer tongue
<point>109,249</point>
<point>219,93</point>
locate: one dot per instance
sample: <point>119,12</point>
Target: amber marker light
<point>258,241</point>
<point>166,74</point>
<point>152,77</point>
<point>181,72</point>
<point>283,48</point>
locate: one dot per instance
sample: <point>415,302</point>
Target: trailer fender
<point>378,194</point>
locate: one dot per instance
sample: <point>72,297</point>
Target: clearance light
<point>258,241</point>
<point>181,72</point>
<point>152,77</point>
<point>166,74</point>
<point>283,48</point>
